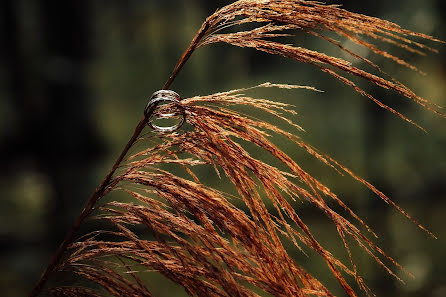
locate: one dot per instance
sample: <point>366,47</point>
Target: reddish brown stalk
<point>194,44</point>
<point>98,193</point>
<point>101,189</point>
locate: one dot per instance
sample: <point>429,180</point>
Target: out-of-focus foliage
<point>85,90</point>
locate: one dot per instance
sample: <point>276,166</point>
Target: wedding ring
<point>165,97</point>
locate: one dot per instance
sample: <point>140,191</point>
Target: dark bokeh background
<point>76,74</point>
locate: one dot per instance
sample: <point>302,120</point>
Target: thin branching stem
<point>101,189</point>
<point>98,193</point>
<point>194,44</point>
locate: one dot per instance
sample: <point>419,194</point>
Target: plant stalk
<point>186,55</point>
<point>100,190</point>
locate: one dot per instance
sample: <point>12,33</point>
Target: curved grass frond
<point>214,243</point>
<point>201,239</point>
<point>278,16</point>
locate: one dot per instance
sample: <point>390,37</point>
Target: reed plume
<point>201,239</point>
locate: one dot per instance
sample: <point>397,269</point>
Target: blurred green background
<point>74,79</point>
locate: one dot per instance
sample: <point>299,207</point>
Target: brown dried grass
<point>309,16</point>
<point>202,241</point>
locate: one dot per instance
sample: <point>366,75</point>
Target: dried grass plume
<point>198,236</point>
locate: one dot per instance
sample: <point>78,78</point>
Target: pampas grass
<point>201,240</point>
